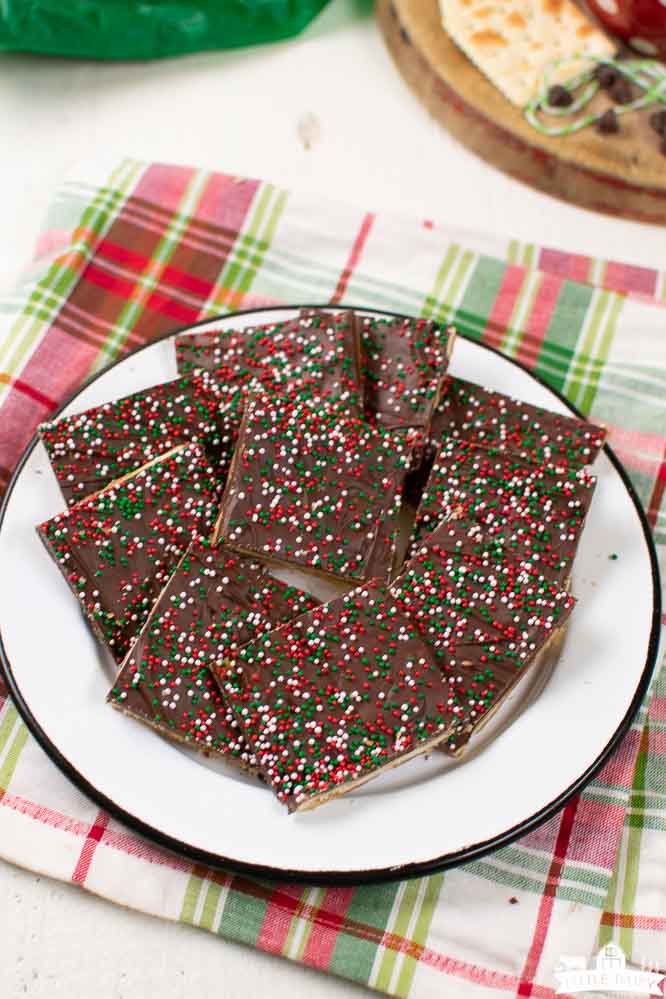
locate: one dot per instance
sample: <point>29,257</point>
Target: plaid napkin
<point>132,252</point>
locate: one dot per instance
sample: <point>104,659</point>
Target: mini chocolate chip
<point>606,76</point>
<point>559,96</point>
<point>608,122</point>
<point>658,122</point>
<point>622,91</point>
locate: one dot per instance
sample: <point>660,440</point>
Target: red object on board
<point>641,23</point>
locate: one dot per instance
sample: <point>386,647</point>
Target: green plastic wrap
<point>147,29</point>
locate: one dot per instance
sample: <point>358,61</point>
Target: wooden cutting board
<point>623,174</point>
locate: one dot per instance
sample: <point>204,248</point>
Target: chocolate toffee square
<point>316,354</point>
<point>337,696</point>
<point>536,510</point>
<point>485,615</point>
<point>404,368</point>
<point>89,450</point>
<point>215,602</point>
<point>118,548</point>
<point>483,416</point>
<point>312,488</point>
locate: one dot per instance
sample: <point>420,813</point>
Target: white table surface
<point>238,112</point>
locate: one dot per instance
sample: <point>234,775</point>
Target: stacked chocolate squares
<point>292,446</point>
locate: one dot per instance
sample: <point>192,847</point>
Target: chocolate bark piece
<point>118,548</point>
<point>404,368</point>
<point>336,696</point>
<point>215,602</point>
<point>538,511</point>
<point>313,488</point>
<point>483,416</point>
<point>485,616</point>
<point>91,449</point>
<point>316,354</point>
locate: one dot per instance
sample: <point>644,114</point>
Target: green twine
<point>646,74</point>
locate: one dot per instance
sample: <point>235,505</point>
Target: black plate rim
<point>474,851</point>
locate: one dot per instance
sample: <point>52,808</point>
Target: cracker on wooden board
<point>513,41</point>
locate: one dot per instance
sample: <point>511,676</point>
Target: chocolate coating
<point>92,449</point>
<point>215,602</point>
<point>537,511</point>
<point>483,416</point>
<point>404,367</point>
<point>485,616</point>
<point>315,354</point>
<point>336,695</point>
<point>312,488</point>
<point>301,358</point>
<point>118,548</point>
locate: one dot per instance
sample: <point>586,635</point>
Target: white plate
<point>429,814</point>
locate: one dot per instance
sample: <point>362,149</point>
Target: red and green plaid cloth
<point>130,253</point>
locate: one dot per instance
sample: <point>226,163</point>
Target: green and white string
<point>646,74</point>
